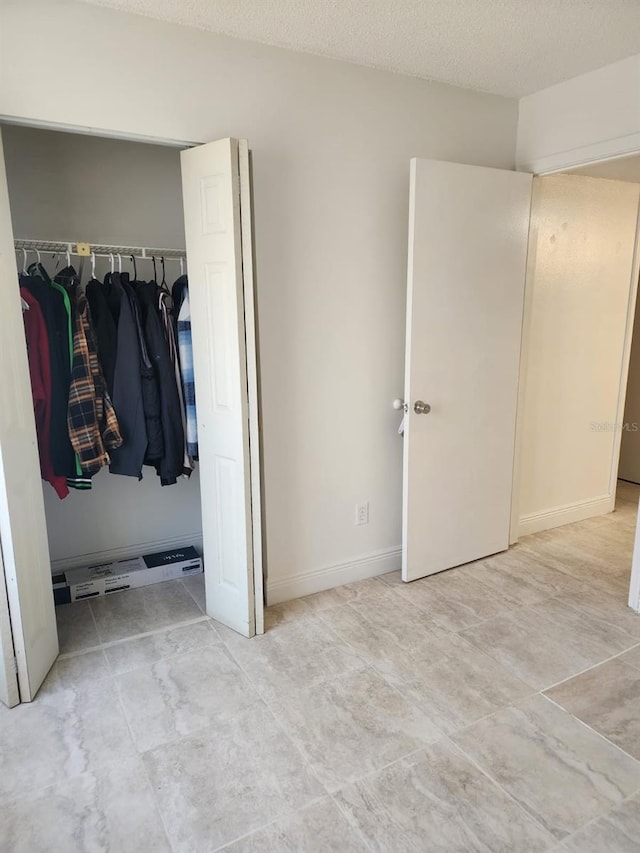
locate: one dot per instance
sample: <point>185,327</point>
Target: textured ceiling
<point>509,47</point>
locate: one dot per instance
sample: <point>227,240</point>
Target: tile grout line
<point>124,640</point>
<point>140,756</point>
<point>588,668</point>
<point>596,732</point>
<point>520,806</point>
<point>597,818</point>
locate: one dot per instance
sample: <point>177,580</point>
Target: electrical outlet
<point>362,513</point>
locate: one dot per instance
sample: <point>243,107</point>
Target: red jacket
<point>40,372</point>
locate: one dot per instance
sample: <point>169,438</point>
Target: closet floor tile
<point>607,698</point>
<point>632,657</point>
<point>76,672</point>
<point>195,587</point>
<point>131,654</point>
<point>559,771</point>
<point>228,780</point>
<point>179,695</point>
<point>147,608</point>
<point>437,800</point>
<point>76,627</point>
<point>113,810</point>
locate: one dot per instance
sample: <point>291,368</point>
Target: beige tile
<point>130,654</point>
<point>195,586</point>
<point>438,801</point>
<point>548,642</point>
<point>632,657</point>
<point>611,607</point>
<point>181,694</point>
<point>287,611</point>
<point>318,828</point>
<point>518,577</point>
<point>59,736</point>
<point>455,600</point>
<point>148,608</point>
<point>76,628</point>
<point>228,780</point>
<point>75,672</point>
<point>352,725</point>
<point>113,810</point>
<point>380,639</point>
<point>369,589</point>
<point>616,832</point>
<point>607,698</point>
<point>562,773</point>
<point>392,578</point>
<point>462,685</point>
<point>293,655</point>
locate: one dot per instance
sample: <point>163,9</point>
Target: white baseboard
<point>556,517</point>
<point>306,583</point>
<point>137,549</point>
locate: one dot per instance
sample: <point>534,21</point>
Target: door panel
<point>23,530</point>
<point>213,224</point>
<point>467,254</point>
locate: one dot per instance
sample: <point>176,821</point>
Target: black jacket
<point>127,383</point>
<point>149,382</point>
<point>169,467</point>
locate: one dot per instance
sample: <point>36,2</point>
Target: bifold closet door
<point>468,231</point>
<point>217,212</point>
<point>23,531</point>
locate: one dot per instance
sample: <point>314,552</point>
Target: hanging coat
<point>105,329</point>
<point>57,323</point>
<point>150,389</point>
<point>40,376</point>
<point>169,468</point>
<point>127,384</point>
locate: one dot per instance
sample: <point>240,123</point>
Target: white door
<point>216,197</point>
<point>23,529</point>
<point>468,232</point>
<point>9,693</point>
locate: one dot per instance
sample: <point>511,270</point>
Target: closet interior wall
<point>71,187</point>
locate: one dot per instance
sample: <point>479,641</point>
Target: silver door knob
<point>421,408</point>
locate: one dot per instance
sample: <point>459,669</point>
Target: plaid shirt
<point>91,418</point>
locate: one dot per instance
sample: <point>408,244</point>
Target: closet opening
<point>100,223</point>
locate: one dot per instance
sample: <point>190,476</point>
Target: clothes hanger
<point>155,272</point>
<point>135,269</point>
<point>93,264</point>
<point>24,262</point>
<point>181,267</point>
<point>119,263</point>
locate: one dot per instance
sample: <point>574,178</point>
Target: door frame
<point>634,586</point>
<point>250,317</point>
<point>624,366</point>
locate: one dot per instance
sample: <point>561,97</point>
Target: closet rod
<point>100,250</point>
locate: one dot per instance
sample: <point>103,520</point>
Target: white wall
<point>579,279</point>
<point>331,144</point>
<point>71,188</point>
<point>629,468</point>
<point>590,117</point>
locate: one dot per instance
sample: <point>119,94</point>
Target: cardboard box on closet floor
<point>107,578</point>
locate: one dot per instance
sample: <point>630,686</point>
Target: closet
<point>140,212</point>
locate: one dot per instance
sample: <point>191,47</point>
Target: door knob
<point>421,408</point>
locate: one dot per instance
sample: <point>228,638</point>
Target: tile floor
<point>493,708</point>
